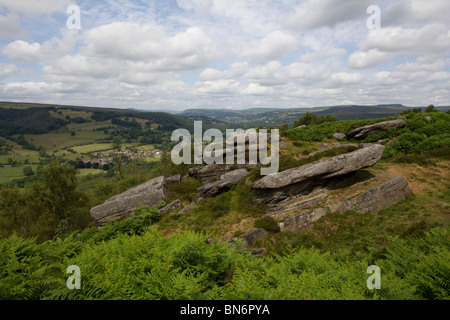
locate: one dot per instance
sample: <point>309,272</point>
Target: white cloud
<point>79,68</point>
<point>225,53</point>
<point>238,69</point>
<point>221,86</point>
<point>10,26</point>
<point>22,51</point>
<point>271,47</point>
<point>323,55</point>
<point>367,59</point>
<point>416,11</point>
<point>188,50</point>
<point>6,70</point>
<point>201,7</point>
<point>32,88</point>
<point>249,18</point>
<point>314,14</point>
<point>429,39</point>
<point>346,78</point>
<point>257,89</point>
<point>35,7</point>
<point>274,73</point>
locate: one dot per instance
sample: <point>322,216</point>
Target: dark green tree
<point>430,109</point>
<point>312,118</point>
<point>28,171</point>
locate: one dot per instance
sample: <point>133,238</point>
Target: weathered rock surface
<point>381,196</point>
<point>283,144</point>
<point>121,206</point>
<point>347,147</point>
<point>174,179</point>
<point>213,171</point>
<point>377,198</point>
<point>257,252</point>
<point>339,136</point>
<point>296,180</point>
<point>363,132</point>
<point>215,188</point>
<point>187,209</point>
<point>250,238</point>
<point>176,205</point>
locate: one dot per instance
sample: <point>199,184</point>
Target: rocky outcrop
<point>187,209</point>
<point>345,147</point>
<point>339,136</point>
<point>387,192</point>
<point>295,181</point>
<point>121,206</point>
<point>377,198</point>
<point>297,197</point>
<point>250,238</point>
<point>211,172</point>
<point>208,173</point>
<point>363,132</point>
<point>176,205</point>
<point>227,180</point>
<point>174,179</point>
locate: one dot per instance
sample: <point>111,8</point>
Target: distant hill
<point>363,112</point>
<point>275,117</point>
<point>33,118</point>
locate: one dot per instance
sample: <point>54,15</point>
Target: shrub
<point>267,223</point>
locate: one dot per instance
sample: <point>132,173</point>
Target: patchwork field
<point>8,173</point>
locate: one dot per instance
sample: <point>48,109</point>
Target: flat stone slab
<point>363,132</point>
<point>122,205</point>
<point>339,165</point>
<point>176,205</point>
<point>215,188</point>
<point>380,193</point>
<point>250,238</point>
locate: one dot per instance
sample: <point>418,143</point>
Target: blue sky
<point>225,54</point>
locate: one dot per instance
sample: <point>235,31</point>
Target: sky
<point>225,54</point>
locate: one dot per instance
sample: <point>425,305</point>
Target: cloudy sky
<point>234,54</point>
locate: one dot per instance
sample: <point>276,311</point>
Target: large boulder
<point>377,198</point>
<point>210,172</point>
<point>272,188</point>
<point>250,238</point>
<point>373,195</point>
<point>363,132</point>
<point>174,179</point>
<point>345,147</point>
<point>121,206</point>
<point>215,188</point>
<point>339,136</point>
<point>176,205</point>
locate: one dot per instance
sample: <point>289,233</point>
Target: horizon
<point>43,104</point>
<point>180,55</point>
<point>179,112</point>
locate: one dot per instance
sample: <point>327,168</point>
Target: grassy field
<point>31,156</point>
<point>93,147</point>
<point>86,172</point>
<point>146,147</point>
<point>8,174</point>
<point>61,140</point>
<point>90,126</point>
<point>57,141</point>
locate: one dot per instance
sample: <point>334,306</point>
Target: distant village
<point>105,157</point>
